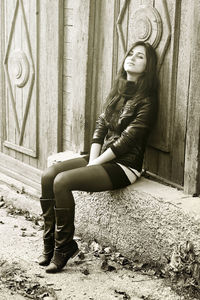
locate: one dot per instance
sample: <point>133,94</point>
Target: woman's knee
<point>48,176</point>
<point>62,182</point>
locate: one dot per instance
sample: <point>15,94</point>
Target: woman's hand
<point>93,163</point>
<point>108,155</point>
<point>94,151</point>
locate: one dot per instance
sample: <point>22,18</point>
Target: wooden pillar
<point>82,58</point>
<point>2,84</point>
<point>192,151</point>
<point>50,78</point>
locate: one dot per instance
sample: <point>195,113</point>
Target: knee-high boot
<point>48,213</point>
<point>65,246</point>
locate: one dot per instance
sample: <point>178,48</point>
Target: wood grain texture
<point>67,76</point>
<point>192,152</point>
<point>20,171</point>
<point>103,56</point>
<point>2,80</point>
<point>181,104</point>
<point>46,43</point>
<point>77,53</point>
<point>50,83</point>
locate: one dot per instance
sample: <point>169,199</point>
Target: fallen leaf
<point>125,295</point>
<point>23,229</point>
<point>85,271</point>
<point>107,250</point>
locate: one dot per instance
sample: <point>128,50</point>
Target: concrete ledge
<point>144,221</point>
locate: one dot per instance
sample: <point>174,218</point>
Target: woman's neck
<point>132,77</point>
<point>126,88</point>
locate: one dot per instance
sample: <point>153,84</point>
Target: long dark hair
<point>147,83</point>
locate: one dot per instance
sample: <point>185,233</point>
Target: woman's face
<point>135,62</point>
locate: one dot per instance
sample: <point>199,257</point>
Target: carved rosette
<point>19,68</point>
<point>147,25</point>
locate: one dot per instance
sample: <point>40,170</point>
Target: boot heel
<point>47,206</point>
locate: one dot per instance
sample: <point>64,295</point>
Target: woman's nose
<point>133,57</point>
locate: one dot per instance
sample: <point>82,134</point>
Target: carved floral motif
<point>147,25</point>
<point>19,68</point>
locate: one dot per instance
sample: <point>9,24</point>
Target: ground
<point>96,274</point>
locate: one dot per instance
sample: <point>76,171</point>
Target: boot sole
<point>46,261</point>
<point>56,270</point>
<point>75,254</point>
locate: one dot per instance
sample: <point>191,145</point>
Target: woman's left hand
<point>104,157</point>
<point>92,163</point>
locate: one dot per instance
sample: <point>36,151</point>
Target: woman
<point>116,154</point>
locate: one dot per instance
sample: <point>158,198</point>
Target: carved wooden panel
<point>20,64</point>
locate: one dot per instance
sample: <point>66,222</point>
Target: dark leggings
<point>59,180</point>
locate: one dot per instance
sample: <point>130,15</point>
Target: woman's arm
<point>94,151</point>
<point>137,130</point>
<point>97,140</point>
<point>104,157</point>
<point>100,130</point>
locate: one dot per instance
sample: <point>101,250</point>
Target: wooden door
<point>20,64</point>
<point>30,86</point>
<point>159,23</point>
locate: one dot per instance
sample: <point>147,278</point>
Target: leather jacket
<point>128,136</point>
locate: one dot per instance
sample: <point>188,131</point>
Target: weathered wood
<point>67,121</point>
<point>8,11</point>
<point>68,17</point>
<point>81,55</point>
<point>2,80</point>
<point>180,107</point>
<point>115,41</point>
<point>151,160</point>
<point>168,117</point>
<point>67,67</point>
<point>34,108</point>
<point>192,152</point>
<point>21,86</point>
<point>45,41</point>
<point>68,3</point>
<point>105,46</point>
<point>123,23</point>
<point>68,34</point>
<point>50,75</point>
<point>67,84</point>
<point>17,168</point>
<point>67,112</point>
<point>103,58</point>
<point>161,139</point>
<point>68,50</point>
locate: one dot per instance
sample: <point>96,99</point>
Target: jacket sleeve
<point>137,130</point>
<point>100,130</point>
